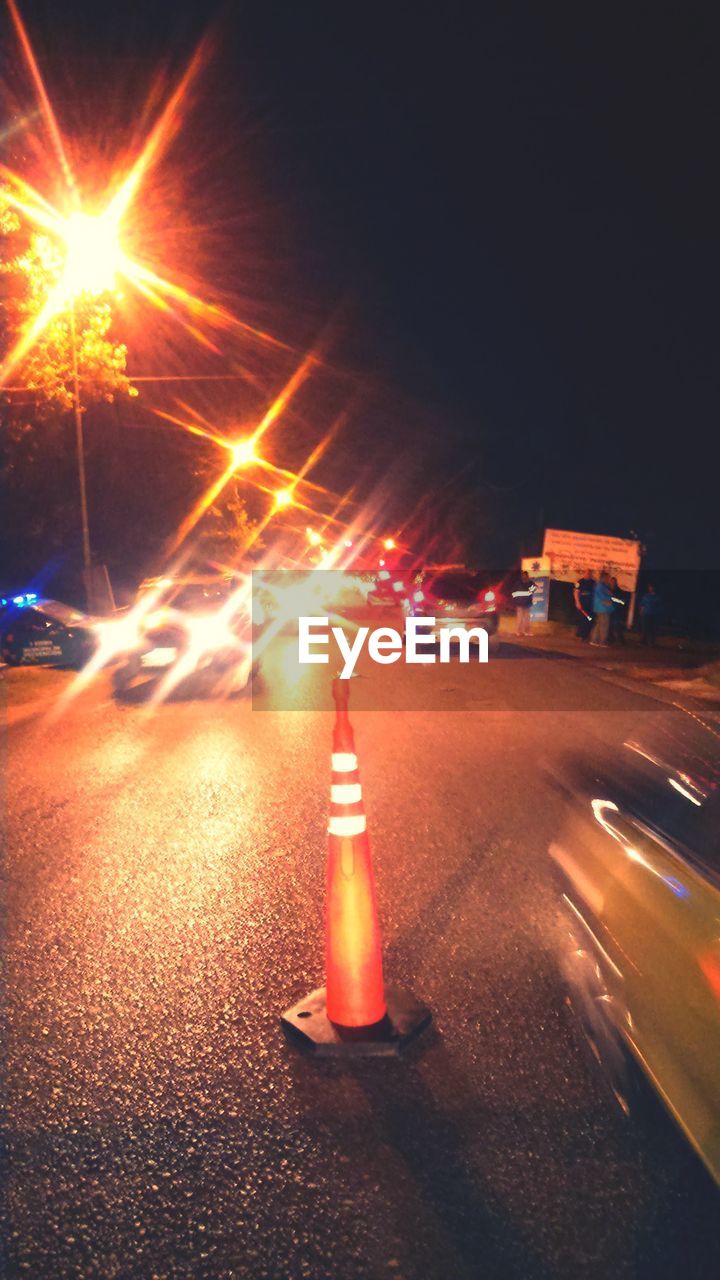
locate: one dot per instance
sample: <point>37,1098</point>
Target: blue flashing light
<point>18,599</point>
<point>677,886</point>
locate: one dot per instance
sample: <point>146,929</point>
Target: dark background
<point>506,214</point>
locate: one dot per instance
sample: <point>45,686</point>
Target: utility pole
<point>80,446</point>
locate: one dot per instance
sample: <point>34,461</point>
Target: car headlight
<point>120,635</point>
<point>210,634</point>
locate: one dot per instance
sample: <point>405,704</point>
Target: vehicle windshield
<point>460,587</point>
<point>192,596</point>
<point>63,613</point>
<point>199,596</point>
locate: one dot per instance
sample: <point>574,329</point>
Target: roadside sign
<point>570,554</point>
<point>539,570</point>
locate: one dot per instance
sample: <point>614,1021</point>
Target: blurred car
<point>39,632</point>
<point>638,868</point>
<point>458,598</point>
<point>193,632</point>
<point>393,589</point>
<point>451,594</point>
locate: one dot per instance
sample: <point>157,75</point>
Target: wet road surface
<point>163,898</point>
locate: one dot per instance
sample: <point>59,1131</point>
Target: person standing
<point>602,609</point>
<point>583,597</point>
<point>650,610</point>
<point>617,617</point>
<point>522,595</point>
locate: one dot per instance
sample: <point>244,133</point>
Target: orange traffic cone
<point>353,1014</point>
<point>353,960</point>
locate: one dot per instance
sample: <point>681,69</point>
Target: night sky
<point>514,208</point>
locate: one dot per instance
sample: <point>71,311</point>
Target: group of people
<point>601,607</point>
<point>601,610</point>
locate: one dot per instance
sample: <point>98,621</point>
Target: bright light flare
<point>208,634</point>
<point>288,597</point>
<point>90,243</point>
<point>94,257</point>
<point>116,636</point>
<point>283,499</point>
<point>243,453</point>
<point>277,408</point>
<point>119,635</point>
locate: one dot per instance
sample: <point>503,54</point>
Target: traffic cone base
<point>307,1025</point>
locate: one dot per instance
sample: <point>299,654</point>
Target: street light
<point>93,255</point>
<point>80,450</point>
<point>243,453</point>
<point>93,258</point>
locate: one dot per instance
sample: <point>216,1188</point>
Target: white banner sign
<point>572,553</point>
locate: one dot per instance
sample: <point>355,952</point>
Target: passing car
<point>637,863</point>
<point>39,632</point>
<point>193,633</point>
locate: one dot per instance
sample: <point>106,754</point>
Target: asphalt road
<point>163,904</point>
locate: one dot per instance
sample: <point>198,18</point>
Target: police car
<point>39,632</point>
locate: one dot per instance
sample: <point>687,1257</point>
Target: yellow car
<point>638,866</point>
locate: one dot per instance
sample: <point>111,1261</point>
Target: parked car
<point>461,598</point>
<point>38,632</point>
<point>454,595</point>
